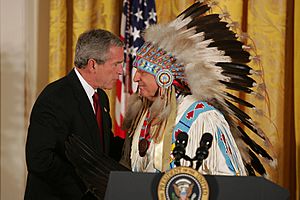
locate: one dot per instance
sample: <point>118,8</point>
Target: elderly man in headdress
<point>183,71</point>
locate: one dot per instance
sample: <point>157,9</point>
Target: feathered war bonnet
<point>199,53</point>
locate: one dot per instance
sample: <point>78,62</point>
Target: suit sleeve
<point>45,155</point>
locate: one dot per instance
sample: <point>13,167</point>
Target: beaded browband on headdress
<point>200,50</point>
<point>160,63</point>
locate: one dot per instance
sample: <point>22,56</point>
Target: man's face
<point>108,73</point>
<point>147,84</point>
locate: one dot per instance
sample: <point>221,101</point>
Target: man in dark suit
<point>66,107</point>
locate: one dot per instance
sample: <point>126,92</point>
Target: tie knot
<point>96,96</point>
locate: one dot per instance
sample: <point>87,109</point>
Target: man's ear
<point>91,64</point>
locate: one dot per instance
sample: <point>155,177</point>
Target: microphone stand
<point>179,150</point>
<point>201,152</point>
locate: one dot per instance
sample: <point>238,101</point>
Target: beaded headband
<point>159,63</point>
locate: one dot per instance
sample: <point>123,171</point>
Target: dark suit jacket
<point>62,109</point>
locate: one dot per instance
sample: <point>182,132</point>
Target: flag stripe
<point>137,15</point>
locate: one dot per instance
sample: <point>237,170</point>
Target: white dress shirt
<point>89,90</point>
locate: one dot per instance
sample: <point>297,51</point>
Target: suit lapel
<point>85,109</point>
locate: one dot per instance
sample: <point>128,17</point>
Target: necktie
<point>98,116</point>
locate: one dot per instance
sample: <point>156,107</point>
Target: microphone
<point>202,151</point>
<point>179,150</point>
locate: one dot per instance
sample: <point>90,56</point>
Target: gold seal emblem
<point>183,183</point>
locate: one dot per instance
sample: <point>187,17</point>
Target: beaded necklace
<point>144,140</point>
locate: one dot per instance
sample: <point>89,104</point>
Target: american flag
<point>137,15</point>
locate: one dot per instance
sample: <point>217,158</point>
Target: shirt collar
<point>87,88</point>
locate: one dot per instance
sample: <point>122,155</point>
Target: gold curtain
<point>297,91</point>
<point>271,25</point>
<point>57,39</point>
<point>267,23</point>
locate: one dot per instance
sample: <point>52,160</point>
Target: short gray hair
<point>95,44</point>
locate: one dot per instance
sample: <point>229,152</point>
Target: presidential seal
<point>183,183</point>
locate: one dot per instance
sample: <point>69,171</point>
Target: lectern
<point>129,185</point>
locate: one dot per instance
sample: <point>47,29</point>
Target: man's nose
<point>121,69</point>
<point>137,76</point>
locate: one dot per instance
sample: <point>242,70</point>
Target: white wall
<point>12,99</point>
<point>23,47</point>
